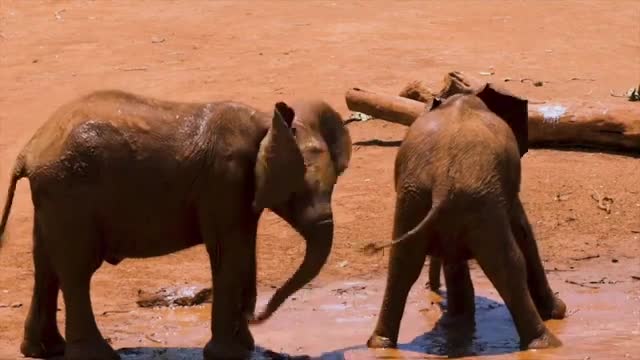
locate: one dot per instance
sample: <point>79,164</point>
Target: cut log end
<point>418,91</point>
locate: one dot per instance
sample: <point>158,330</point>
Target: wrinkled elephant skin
<point>115,175</point>
<point>457,177</point>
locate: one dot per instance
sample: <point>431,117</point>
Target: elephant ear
<point>279,166</point>
<point>435,103</point>
<point>337,137</point>
<point>512,109</point>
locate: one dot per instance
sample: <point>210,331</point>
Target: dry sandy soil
<point>262,52</point>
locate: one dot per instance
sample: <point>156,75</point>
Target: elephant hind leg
<point>84,340</point>
<point>406,261</point>
<point>434,273</point>
<point>495,249</point>
<point>42,338</point>
<point>460,294</point>
<point>75,255</point>
<point>549,306</point>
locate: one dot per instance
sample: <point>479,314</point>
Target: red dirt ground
<point>51,52</point>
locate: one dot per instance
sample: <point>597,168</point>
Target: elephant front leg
<point>548,304</point>
<point>230,335</point>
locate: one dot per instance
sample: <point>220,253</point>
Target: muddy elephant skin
<point>115,175</point>
<point>457,179</point>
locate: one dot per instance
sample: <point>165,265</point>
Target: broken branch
<point>581,284</point>
<point>604,202</point>
<point>585,258</point>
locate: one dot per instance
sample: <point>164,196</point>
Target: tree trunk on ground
<point>612,125</point>
<point>386,107</point>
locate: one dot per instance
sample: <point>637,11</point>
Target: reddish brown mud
<point>267,51</point>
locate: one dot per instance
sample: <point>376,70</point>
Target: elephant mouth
<point>325,221</point>
<point>309,226</point>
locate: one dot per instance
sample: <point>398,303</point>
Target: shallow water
<point>334,322</point>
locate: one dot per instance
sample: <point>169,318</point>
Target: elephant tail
<point>19,171</point>
<point>423,226</point>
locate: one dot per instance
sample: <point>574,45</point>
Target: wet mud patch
<point>195,354</point>
<point>175,296</point>
<point>333,322</point>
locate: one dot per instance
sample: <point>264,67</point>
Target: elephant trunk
<point>319,239</point>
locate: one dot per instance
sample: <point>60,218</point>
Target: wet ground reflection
<point>334,322</point>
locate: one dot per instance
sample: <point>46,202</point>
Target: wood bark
<point>611,125</point>
<point>386,107</point>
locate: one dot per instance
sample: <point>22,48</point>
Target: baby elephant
<point>457,178</point>
<point>115,175</point>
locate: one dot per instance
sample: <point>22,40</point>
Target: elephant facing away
<point>115,175</point>
<point>457,179</point>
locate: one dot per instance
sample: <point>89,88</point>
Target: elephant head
<point>298,186</point>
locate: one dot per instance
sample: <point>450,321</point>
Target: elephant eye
<point>315,150</point>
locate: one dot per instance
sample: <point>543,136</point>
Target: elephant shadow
<point>189,353</point>
<point>195,354</point>
<point>492,334</point>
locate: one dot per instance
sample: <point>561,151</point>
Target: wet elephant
<point>115,175</point>
<point>457,179</point>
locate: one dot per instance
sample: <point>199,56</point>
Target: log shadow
<point>378,142</point>
<point>537,146</point>
<point>493,334</point>
<point>584,149</point>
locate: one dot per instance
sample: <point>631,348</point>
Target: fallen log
<point>608,125</point>
<point>611,125</point>
<point>391,108</point>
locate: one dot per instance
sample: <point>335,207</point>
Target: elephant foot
<point>43,347</point>
<point>90,350</point>
<point>380,342</point>
<point>545,341</point>
<point>553,309</point>
<point>249,306</point>
<point>217,350</point>
<point>458,320</point>
<point>433,286</point>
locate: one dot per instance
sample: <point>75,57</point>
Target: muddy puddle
<point>334,321</point>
